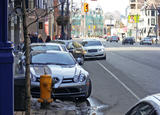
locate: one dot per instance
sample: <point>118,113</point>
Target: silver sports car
<point>70,79</point>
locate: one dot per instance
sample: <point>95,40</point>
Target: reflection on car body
<point>71,80</point>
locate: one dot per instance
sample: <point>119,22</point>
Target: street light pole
<point>6,64</point>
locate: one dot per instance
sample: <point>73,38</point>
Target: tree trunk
<point>27,60</point>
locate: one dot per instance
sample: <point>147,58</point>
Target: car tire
<point>89,89</point>
<point>87,94</point>
<point>104,58</point>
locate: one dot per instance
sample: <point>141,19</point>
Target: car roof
<point>40,44</point>
<point>49,51</point>
<point>91,40</point>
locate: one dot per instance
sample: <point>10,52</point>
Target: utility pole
<point>55,27</point>
<point>27,60</point>
<point>157,23</point>
<point>81,28</point>
<point>84,21</point>
<point>136,27</point>
<point>71,17</point>
<point>68,25</point>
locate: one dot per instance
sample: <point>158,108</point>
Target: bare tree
<point>23,13</point>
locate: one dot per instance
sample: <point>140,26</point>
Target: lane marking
<point>124,85</point>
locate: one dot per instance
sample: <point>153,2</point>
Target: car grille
<point>67,80</point>
<point>92,50</point>
<point>55,80</point>
<point>66,90</point>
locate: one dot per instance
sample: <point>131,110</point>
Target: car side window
<point>142,109</point>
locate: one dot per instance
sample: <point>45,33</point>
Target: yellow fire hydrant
<point>45,89</point>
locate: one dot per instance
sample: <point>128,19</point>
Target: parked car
<point>150,105</point>
<point>70,79</point>
<point>128,40</point>
<point>154,38</point>
<point>74,47</point>
<point>146,40</point>
<point>108,38</point>
<point>114,39</point>
<point>94,48</point>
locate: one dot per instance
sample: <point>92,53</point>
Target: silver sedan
<point>94,48</point>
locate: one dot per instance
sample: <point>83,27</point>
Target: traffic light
<point>86,8</point>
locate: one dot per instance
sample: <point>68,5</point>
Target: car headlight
<point>100,50</point>
<point>33,77</point>
<point>82,77</point>
<point>76,78</point>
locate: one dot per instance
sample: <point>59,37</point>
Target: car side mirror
<point>80,61</point>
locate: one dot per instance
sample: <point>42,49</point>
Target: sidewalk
<point>59,107</point>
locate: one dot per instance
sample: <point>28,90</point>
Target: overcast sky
<point>109,5</point>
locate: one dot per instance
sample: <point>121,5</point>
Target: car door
<point>142,108</point>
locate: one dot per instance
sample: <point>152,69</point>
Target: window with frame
<point>153,22</point>
<point>152,13</point>
<point>133,6</point>
<point>148,21</point>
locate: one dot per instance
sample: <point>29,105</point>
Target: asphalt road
<point>128,74</point>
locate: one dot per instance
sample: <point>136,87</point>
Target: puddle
<point>91,106</point>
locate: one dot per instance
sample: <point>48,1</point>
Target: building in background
<point>148,24</point>
<point>146,14</point>
<point>94,23</point>
<point>43,26</point>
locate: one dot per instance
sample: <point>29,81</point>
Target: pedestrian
<point>40,40</point>
<point>31,36</point>
<point>48,39</point>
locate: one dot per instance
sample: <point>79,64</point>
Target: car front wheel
<point>88,93</point>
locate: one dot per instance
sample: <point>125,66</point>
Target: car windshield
<point>45,47</point>
<point>91,43</point>
<point>114,37</point>
<point>53,58</point>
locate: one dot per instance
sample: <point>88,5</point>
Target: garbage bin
<point>19,93</point>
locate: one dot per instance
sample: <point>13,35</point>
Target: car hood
<point>58,71</point>
<point>94,47</point>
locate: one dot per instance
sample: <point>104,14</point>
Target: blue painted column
<point>6,64</point>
